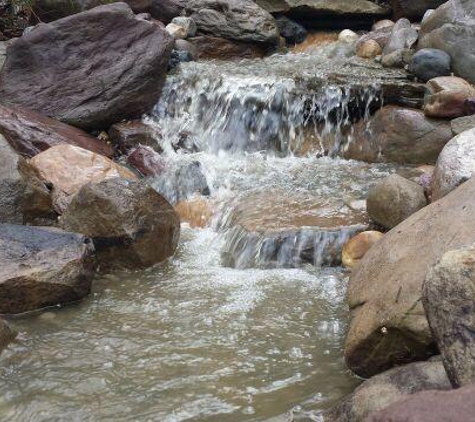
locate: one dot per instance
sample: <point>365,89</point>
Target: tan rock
<point>67,168</point>
<point>368,49</point>
<point>197,212</point>
<point>356,248</point>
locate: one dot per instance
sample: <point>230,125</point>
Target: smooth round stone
<point>430,63</point>
<point>354,250</point>
<point>368,49</point>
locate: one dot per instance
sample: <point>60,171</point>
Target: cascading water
<point>195,339</point>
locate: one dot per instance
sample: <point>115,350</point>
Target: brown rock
<point>128,135</point>
<point>208,47</point>
<point>42,267</point>
<point>132,226</point>
<point>197,211</point>
<point>88,84</point>
<point>368,49</point>
<point>67,168</point>
<point>146,161</point>
<point>388,325</point>
<point>393,200</point>
<point>30,133</point>
<point>24,198</point>
<point>431,406</point>
<point>6,335</point>
<point>446,97</point>
<point>400,135</point>
<point>355,249</point>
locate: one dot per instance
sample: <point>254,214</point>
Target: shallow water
<point>192,340</point>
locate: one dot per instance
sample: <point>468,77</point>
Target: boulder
<point>128,135</point>
<point>30,133</point>
<point>42,267</point>
<point>67,168</point>
<point>414,9</point>
<point>355,249</point>
<point>329,13</point>
<point>394,199</point>
<point>292,31</point>
<point>6,335</point>
<point>93,85</point>
<point>446,97</point>
<point>430,406</point>
<point>387,388</point>
<point>24,198</point>
<point>449,302</point>
<point>462,124</point>
<point>403,36</point>
<point>388,325</point>
<point>166,10</point>
<point>275,229</point>
<point>132,225</point>
<point>368,49</point>
<point>381,36</point>
<point>185,45</point>
<point>451,28</point>
<point>183,27</point>
<point>430,63</point>
<point>236,20</point>
<point>399,135</point>
<point>456,164</point>
<point>146,161</point>
<point>208,47</point>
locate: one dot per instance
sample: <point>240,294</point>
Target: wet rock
<point>399,135</point>
<point>182,27</point>
<point>29,133</point>
<point>278,229</point>
<point>197,211</point>
<point>122,82</point>
<point>451,28</point>
<point>293,32</point>
<point>446,97</point>
<point>6,335</point>
<point>128,135</point>
<point>183,182</point>
<point>355,249</point>
<point>166,10</point>
<point>414,9</point>
<point>42,267</point>
<point>132,225</point>
<point>236,20</point>
<point>388,325</point>
<point>398,59</point>
<point>403,36</point>
<point>462,124</point>
<point>67,168</point>
<point>387,388</point>
<point>449,302</point>
<point>456,164</point>
<point>348,36</point>
<point>368,49</point>
<point>394,199</point>
<point>24,198</point>
<point>381,36</point>
<point>146,161</point>
<point>208,47</point>
<point>179,56</point>
<point>184,45</point>
<point>430,63</point>
<point>430,406</point>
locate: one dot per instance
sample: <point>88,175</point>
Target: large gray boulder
<point>237,20</point>
<point>431,406</point>
<point>24,198</point>
<point>387,388</point>
<point>456,164</point>
<point>389,326</point>
<point>42,267</point>
<point>132,225</point>
<point>89,70</point>
<point>449,302</point>
<point>399,135</point>
<point>393,200</point>
<point>451,28</point>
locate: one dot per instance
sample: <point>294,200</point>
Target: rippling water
<point>192,340</point>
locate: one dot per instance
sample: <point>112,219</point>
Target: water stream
<point>197,339</point>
